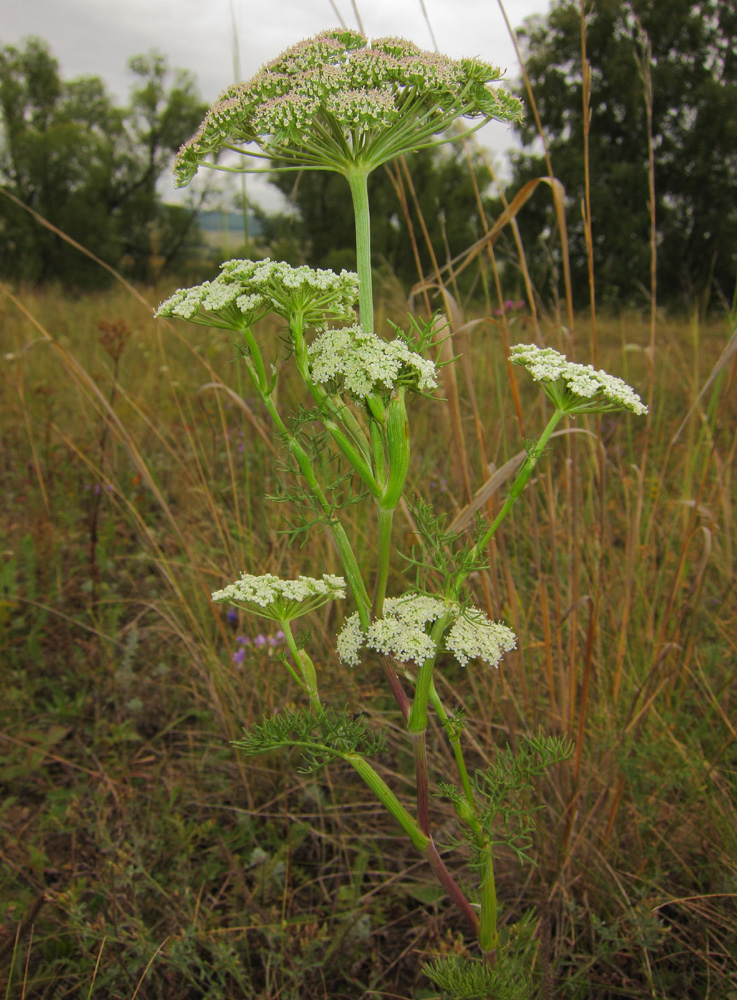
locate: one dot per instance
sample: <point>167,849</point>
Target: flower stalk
<point>342,103</point>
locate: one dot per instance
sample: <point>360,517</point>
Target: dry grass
<point>143,858</point>
<point>138,847</point>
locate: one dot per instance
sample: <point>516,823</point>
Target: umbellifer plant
<point>341,103</point>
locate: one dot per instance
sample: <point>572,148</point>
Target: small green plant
<point>340,103</point>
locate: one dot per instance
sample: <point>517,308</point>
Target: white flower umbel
<point>363,363</point>
<point>316,295</point>
<point>339,101</point>
<point>575,388</point>
<point>214,303</point>
<point>403,632</point>
<point>400,633</point>
<point>245,290</point>
<point>475,637</point>
<point>281,600</point>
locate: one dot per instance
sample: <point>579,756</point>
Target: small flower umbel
<point>360,363</point>
<point>575,388</point>
<point>282,601</point>
<point>572,389</point>
<point>407,631</point>
<point>247,290</point>
<point>314,295</point>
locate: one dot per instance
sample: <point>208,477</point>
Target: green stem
<point>455,742</point>
<point>419,752</point>
<point>342,542</point>
<point>514,494</point>
<point>488,931</point>
<point>378,450</point>
<point>389,800</point>
<point>305,665</point>
<point>420,840</point>
<point>418,715</point>
<point>358,180</point>
<point>385,518</point>
<point>353,444</point>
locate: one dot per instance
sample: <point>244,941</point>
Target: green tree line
<point>663,81</point>
<point>90,168</point>
<point>679,57</point>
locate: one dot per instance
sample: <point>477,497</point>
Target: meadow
<point>143,857</point>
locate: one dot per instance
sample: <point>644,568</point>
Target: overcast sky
<point>98,37</point>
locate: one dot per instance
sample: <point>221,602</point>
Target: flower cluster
<point>281,600</point>
<point>245,290</point>
<point>314,294</point>
<point>474,636</point>
<point>403,632</point>
<point>575,388</point>
<point>338,99</point>
<point>365,363</point>
<point>214,303</point>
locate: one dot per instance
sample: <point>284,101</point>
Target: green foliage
<point>113,822</point>
<point>693,72</point>
<point>442,552</point>
<point>507,977</point>
<point>321,735</point>
<point>502,793</point>
<point>90,168</point>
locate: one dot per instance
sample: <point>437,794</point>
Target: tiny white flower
<point>404,633</point>
<point>350,641</point>
<point>475,636</point>
<point>281,600</point>
<point>365,363</point>
<point>573,387</point>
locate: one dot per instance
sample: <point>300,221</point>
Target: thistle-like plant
<point>337,102</point>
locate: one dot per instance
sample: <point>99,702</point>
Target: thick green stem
<point>358,181</point>
<point>488,930</point>
<point>305,665</point>
<point>385,518</point>
<point>389,800</point>
<point>418,715</point>
<point>419,752</point>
